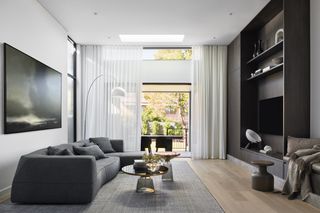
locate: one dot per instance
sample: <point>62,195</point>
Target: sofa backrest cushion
<point>93,150</point>
<point>51,150</point>
<point>103,143</point>
<point>117,145</point>
<point>295,144</point>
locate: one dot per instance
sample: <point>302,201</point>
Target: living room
<point>159,106</point>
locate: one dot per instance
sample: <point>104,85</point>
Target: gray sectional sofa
<point>72,179</point>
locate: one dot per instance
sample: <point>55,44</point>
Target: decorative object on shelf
<point>259,48</point>
<point>253,137</point>
<point>277,60</point>
<point>279,36</point>
<point>254,51</point>
<point>267,68</point>
<point>267,149</point>
<point>153,162</point>
<point>257,72</point>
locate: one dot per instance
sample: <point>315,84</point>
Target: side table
<point>262,180</point>
<point>167,156</point>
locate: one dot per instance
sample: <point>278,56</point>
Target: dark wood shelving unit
<point>267,53</point>
<point>275,69</point>
<point>289,80</point>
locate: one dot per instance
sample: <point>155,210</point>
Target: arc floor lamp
<point>116,92</point>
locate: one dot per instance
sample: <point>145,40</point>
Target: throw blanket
<point>299,169</point>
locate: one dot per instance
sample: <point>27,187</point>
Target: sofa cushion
<point>107,168</point>
<point>90,150</point>
<point>126,158</point>
<point>316,168</point>
<point>295,144</point>
<point>117,145</point>
<point>103,143</point>
<point>51,150</point>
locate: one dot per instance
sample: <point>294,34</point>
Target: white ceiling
<point>199,20</point>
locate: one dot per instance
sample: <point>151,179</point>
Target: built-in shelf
<point>267,53</point>
<point>275,69</point>
<point>274,155</point>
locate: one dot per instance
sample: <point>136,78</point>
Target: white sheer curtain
<point>116,118</point>
<point>209,105</point>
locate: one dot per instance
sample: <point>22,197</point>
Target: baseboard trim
<point>278,182</point>
<point>5,194</point>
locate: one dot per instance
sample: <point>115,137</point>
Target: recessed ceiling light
<point>151,38</point>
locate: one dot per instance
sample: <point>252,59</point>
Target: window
<point>72,81</point>
<point>167,53</point>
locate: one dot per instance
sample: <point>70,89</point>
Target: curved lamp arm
<point>86,106</point>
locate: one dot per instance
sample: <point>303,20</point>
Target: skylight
<point>151,38</point>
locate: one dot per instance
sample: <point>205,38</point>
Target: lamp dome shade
<point>252,136</point>
<point>118,92</point>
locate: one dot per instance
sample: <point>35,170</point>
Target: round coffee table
<point>145,182</point>
<point>262,180</point>
<point>167,156</point>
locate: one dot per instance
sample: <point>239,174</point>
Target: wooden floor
<point>230,185</point>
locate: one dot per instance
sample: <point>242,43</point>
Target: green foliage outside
<point>154,116</point>
<point>173,54</point>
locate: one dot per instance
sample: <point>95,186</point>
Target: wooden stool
<point>262,180</point>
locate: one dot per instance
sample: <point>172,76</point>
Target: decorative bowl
<point>153,167</point>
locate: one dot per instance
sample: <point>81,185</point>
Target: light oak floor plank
<point>230,184</point>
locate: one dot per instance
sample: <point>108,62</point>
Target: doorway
<point>166,117</point>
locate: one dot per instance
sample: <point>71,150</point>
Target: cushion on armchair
<point>295,144</point>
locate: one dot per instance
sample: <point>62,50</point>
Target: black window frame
<point>74,78</point>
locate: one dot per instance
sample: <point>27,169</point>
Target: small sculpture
<point>253,137</point>
<point>279,36</point>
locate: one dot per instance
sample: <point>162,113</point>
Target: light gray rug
<point>186,194</point>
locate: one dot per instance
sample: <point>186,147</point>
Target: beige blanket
<point>299,169</point>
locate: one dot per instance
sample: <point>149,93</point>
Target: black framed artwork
<point>32,93</point>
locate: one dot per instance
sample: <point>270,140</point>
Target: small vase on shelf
<point>259,48</point>
<point>254,51</point>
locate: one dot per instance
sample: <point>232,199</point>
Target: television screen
<point>32,93</point>
<point>271,116</point>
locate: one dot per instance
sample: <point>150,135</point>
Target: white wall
<point>29,27</point>
<point>174,71</point>
<point>315,68</point>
